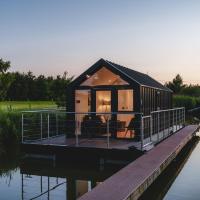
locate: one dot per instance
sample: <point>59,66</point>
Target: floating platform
<point>95,149</point>
<point>131,181</point>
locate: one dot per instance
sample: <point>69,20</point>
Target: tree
<point>4,66</point>
<point>176,85</point>
<point>5,78</point>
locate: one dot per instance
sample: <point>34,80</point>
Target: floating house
<point>121,92</point>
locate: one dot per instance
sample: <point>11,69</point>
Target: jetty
<point>131,181</point>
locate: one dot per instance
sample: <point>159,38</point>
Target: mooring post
<point>22,127</point>
<point>142,132</point>
<point>41,126</point>
<point>48,125</point>
<point>108,134</point>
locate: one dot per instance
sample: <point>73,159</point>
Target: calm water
<point>36,180</point>
<point>187,184</point>
<point>43,180</point>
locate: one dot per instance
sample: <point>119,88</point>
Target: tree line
<point>185,95</point>
<point>16,86</point>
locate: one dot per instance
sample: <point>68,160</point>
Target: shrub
<point>9,130</point>
<point>186,101</point>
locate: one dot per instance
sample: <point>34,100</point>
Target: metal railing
<point>160,124</point>
<point>85,128</point>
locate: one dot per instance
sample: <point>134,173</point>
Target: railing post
<point>151,127</point>
<point>108,134</point>
<point>76,130</point>
<point>183,116</point>
<point>169,122</point>
<point>158,126</point>
<point>176,119</point>
<point>48,125</point>
<point>142,132</point>
<point>22,127</point>
<point>164,125</point>
<point>173,121</point>
<point>56,124</point>
<point>41,125</point>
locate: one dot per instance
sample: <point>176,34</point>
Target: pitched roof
<point>141,78</point>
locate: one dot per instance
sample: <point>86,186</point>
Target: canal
<point>31,179</point>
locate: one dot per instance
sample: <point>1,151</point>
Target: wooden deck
<point>102,143</point>
<point>135,178</point>
<point>89,143</point>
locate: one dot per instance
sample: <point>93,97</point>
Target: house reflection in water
<point>48,182</point>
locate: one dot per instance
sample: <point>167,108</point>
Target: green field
<point>26,105</point>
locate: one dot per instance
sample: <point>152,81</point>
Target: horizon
<point>160,39</point>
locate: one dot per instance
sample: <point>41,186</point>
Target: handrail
<point>100,113</point>
<point>157,111</point>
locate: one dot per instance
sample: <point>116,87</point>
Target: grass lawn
<point>26,105</point>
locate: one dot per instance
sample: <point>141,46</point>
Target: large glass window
<point>103,101</point>
<point>104,77</point>
<point>83,101</point>
<point>125,100</point>
<point>82,105</point>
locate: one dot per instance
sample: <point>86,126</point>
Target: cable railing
<point>106,130</point>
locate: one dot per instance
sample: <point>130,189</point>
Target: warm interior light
<point>105,103</point>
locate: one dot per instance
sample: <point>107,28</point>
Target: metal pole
<point>169,122</point>
<point>173,121</point>
<point>164,125</point>
<point>76,130</point>
<point>41,126</point>
<point>56,124</point>
<point>22,187</point>
<point>158,126</point>
<point>48,125</point>
<point>22,127</point>
<point>176,119</point>
<point>142,133</point>
<point>108,134</point>
<point>151,128</point>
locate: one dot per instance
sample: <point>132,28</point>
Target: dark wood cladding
<point>153,99</point>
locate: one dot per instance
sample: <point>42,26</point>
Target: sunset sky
<point>161,38</point>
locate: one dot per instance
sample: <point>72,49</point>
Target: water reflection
<point>42,180</point>
<point>162,187</point>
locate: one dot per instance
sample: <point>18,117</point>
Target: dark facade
<point>148,95</point>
